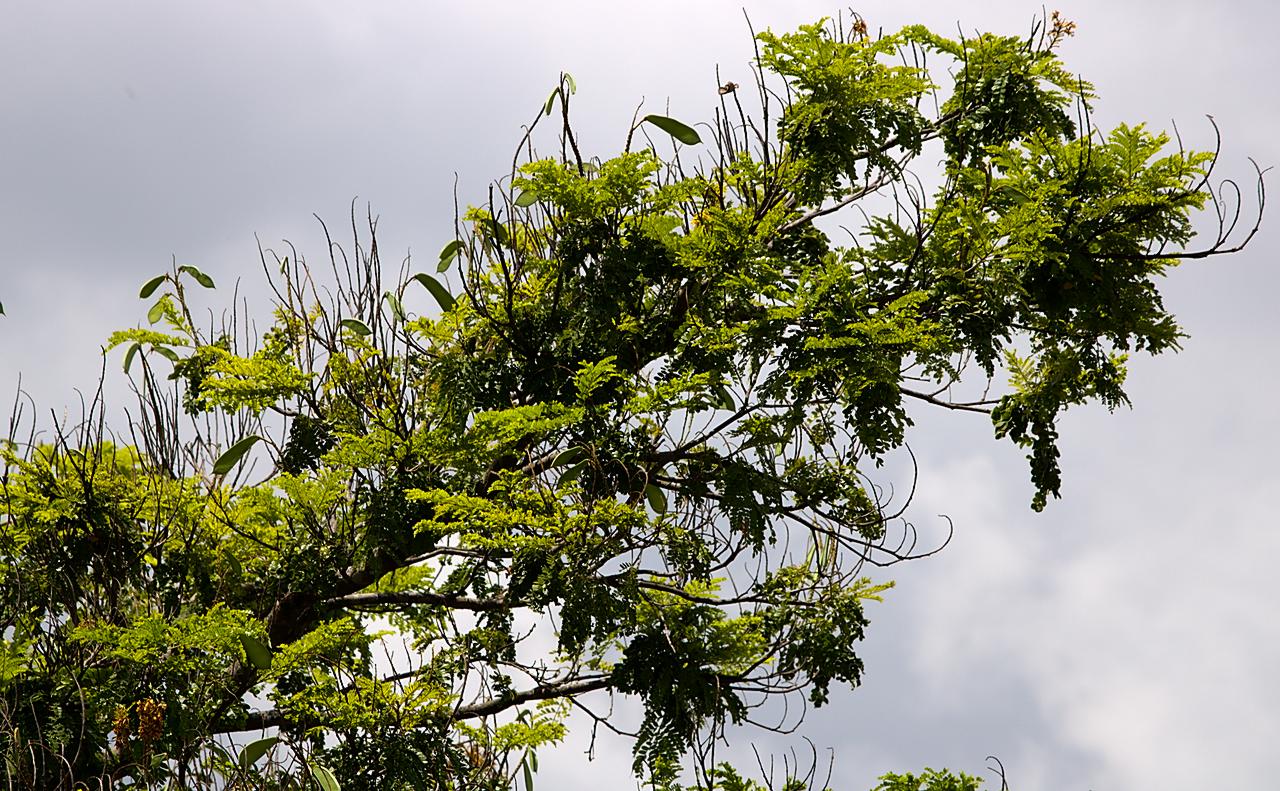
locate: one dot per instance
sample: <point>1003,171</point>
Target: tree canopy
<point>627,444</point>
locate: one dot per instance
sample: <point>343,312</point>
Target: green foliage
<point>929,780</point>
<point>642,421</point>
<point>852,109</point>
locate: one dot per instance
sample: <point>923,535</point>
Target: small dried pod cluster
<point>150,720</point>
<point>120,723</point>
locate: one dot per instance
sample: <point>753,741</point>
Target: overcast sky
<point>1124,639</point>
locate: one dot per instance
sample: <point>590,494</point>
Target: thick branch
<point>452,601</point>
<point>558,689</point>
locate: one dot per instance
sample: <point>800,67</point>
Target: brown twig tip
<point>1060,28</point>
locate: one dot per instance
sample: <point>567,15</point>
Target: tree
<point>630,450</point>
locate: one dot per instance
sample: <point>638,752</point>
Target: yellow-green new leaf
<point>157,312</point>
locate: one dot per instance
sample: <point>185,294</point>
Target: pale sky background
<point>1124,639</point>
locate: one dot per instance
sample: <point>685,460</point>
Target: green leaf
<point>436,288</point>
<point>572,473</point>
<point>393,302</point>
<point>167,353</point>
<point>567,456</point>
<point>499,232</point>
<point>257,651</point>
<point>233,455</point>
<point>724,399</point>
<point>324,777</point>
<point>447,255</point>
<point>1,308</point>
<point>528,773</point>
<point>573,86</point>
<point>128,356</point>
<point>149,287</point>
<point>526,199</point>
<point>685,134</point>
<point>200,277</point>
<point>551,102</point>
<point>255,750</point>
<point>156,312</point>
<point>657,498</point>
<point>356,326</point>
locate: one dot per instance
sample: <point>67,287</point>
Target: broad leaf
<point>200,277</point>
<point>724,399</point>
<point>528,773</point>
<point>356,326</point>
<point>682,132</point>
<point>228,460</point>
<point>324,777</point>
<point>128,356</point>
<point>447,255</point>
<point>393,302</point>
<point>572,473</point>
<point>257,651</point>
<point>149,287</point>
<point>255,750</point>
<point>499,232</point>
<point>526,199</point>
<point>567,456</point>
<point>437,290</point>
<point>656,497</point>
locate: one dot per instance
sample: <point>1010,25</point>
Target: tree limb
<point>452,601</point>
